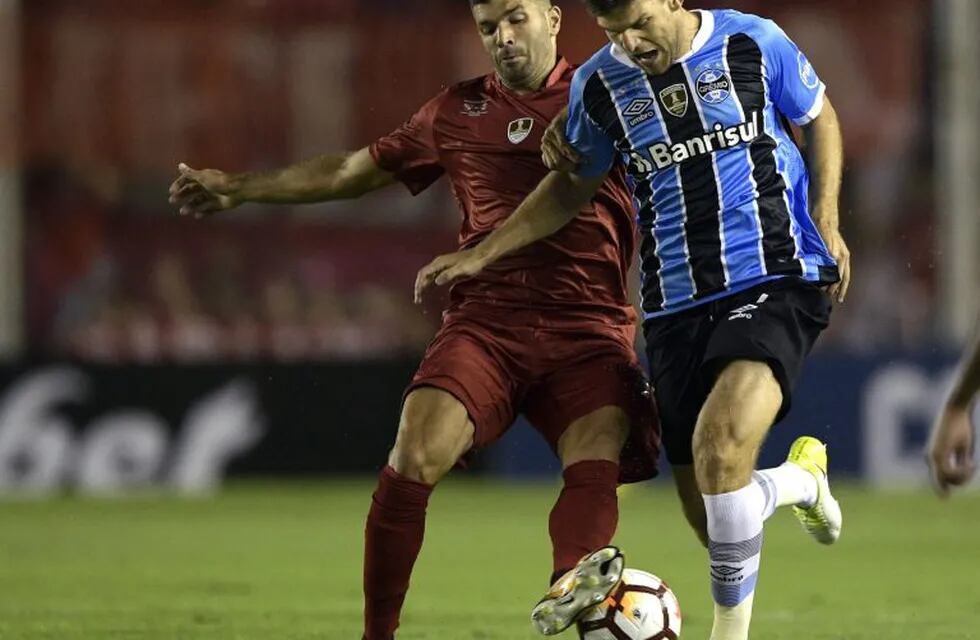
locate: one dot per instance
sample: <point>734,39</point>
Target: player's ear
<point>554,19</point>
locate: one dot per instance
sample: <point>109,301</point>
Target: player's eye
<point>488,30</point>
<point>517,18</point>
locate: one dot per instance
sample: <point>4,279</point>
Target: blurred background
<point>145,357</point>
<point>294,327</point>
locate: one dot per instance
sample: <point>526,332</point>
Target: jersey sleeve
<point>410,151</point>
<point>794,86</point>
<point>597,149</point>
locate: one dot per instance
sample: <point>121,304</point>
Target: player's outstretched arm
<point>201,192</point>
<point>826,161</point>
<point>951,445</point>
<point>556,201</point>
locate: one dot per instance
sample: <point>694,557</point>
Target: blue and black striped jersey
<point>719,185</point>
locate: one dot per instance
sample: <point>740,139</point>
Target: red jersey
<point>487,139</point>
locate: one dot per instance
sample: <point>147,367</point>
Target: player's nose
<point>630,42</point>
<point>505,35</point>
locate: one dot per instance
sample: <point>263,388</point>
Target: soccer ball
<point>641,608</point>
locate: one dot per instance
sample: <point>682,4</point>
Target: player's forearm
<point>326,177</point>
<point>968,381</point>
<point>552,205</point>
<point>826,159</point>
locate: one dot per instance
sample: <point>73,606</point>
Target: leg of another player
<point>686,483</point>
<point>435,430</point>
<point>730,430</point>
<point>586,514</point>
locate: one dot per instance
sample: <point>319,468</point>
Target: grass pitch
<point>283,562</point>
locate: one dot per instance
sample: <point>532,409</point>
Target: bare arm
<point>199,192</point>
<point>968,381</point>
<point>553,204</point>
<point>953,439</point>
<point>826,161</point>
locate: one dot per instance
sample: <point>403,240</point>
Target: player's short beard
<point>524,77</point>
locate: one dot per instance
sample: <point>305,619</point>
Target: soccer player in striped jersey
<point>736,260</point>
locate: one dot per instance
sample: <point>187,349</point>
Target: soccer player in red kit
<point>547,332</point>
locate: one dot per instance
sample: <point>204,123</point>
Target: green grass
<point>281,562</point>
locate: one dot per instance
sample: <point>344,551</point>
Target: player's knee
<point>722,451</point>
<point>416,462</point>
<point>598,436</point>
<point>434,432</point>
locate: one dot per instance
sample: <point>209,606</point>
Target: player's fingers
<point>186,192</point>
<point>569,153</point>
<point>186,172</point>
<point>845,280</point>
<point>208,208</point>
<point>450,273</point>
<point>832,290</point>
<point>549,158</point>
<point>197,204</point>
<point>425,277</point>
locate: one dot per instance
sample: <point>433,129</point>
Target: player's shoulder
<point>599,61</point>
<point>467,97</point>
<point>762,30</point>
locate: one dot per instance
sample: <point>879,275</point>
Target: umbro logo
<point>639,111</point>
<point>745,312</point>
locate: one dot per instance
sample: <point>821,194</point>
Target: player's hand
<point>556,153</point>
<point>951,447</point>
<point>838,249</point>
<point>446,269</point>
<point>202,192</point>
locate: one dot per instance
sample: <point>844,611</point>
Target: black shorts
<point>776,322</point>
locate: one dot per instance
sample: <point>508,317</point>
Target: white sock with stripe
<point>735,546</point>
<point>786,485</point>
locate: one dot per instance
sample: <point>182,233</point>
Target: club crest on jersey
<point>807,74</point>
<point>713,86</point>
<point>474,108</point>
<point>674,99</point>
<point>519,129</point>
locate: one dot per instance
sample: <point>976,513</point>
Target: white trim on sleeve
<point>815,110</point>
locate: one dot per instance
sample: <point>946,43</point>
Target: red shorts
<point>553,372</point>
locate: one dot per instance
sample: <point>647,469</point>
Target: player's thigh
<point>599,435</point>
<point>776,323</point>
<point>435,430</point>
<point>592,400</point>
<point>464,378</point>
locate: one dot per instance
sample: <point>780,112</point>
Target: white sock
<point>787,484</point>
<point>735,546</point>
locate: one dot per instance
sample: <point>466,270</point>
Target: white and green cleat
<point>822,520</point>
<point>588,584</point>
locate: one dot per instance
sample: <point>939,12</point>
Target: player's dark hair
<point>602,7</point>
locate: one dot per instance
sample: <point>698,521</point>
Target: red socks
<point>392,541</point>
<point>586,514</point>
<point>583,520</point>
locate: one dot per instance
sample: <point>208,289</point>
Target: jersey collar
<point>701,38</point>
